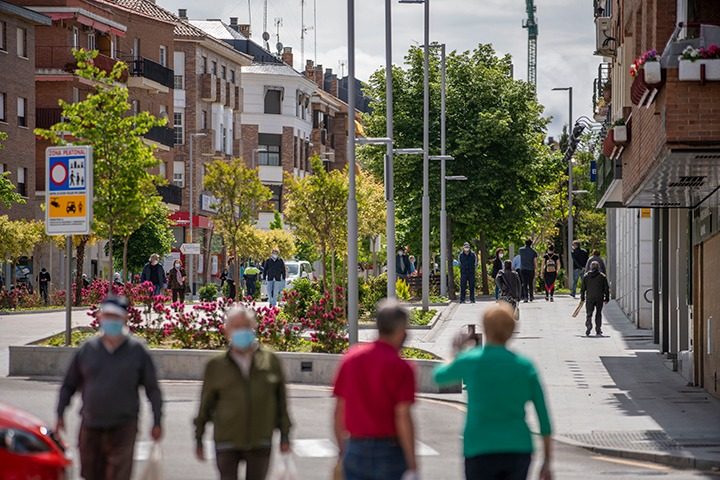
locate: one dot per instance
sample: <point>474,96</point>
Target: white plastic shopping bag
<point>285,468</point>
<point>153,466</point>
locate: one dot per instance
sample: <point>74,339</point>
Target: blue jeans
<point>274,289</point>
<point>577,273</point>
<point>373,459</point>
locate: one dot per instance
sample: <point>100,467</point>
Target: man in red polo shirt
<point>375,390</point>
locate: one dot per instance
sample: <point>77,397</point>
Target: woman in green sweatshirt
<point>497,440</point>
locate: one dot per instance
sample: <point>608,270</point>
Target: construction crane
<point>532,28</point>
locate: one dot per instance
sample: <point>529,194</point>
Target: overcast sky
<point>565,45</point>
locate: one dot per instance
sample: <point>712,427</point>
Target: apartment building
<point>17,103</point>
<point>660,172</point>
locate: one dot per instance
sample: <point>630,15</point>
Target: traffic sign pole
<point>68,290</point>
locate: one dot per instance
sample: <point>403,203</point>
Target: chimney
<point>318,76</point>
<point>309,69</point>
<point>182,13</point>
<point>287,56</point>
<point>244,30</point>
<point>234,24</point>
<point>331,82</point>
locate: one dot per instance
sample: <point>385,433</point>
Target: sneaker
<point>472,301</point>
<point>547,299</point>
<point>525,301</point>
<point>552,299</point>
<point>587,332</point>
<point>599,333</point>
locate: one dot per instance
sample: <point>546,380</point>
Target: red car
<point>28,449</point>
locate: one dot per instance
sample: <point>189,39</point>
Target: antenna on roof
<point>249,17</point>
<point>342,64</point>
<point>315,28</point>
<point>265,26</point>
<point>303,30</point>
<point>278,23</point>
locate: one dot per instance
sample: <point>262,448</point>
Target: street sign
<point>69,184</point>
<point>593,171</point>
<point>190,249</point>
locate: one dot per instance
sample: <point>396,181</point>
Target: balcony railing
<point>61,58</point>
<point>146,68</point>
<point>162,135</point>
<point>47,117</point>
<point>608,170</point>
<point>171,194</point>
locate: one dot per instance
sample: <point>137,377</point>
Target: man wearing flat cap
<point>108,370</point>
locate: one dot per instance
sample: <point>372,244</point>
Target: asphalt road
<point>439,430</point>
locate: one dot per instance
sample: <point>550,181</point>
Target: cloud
<point>565,43</point>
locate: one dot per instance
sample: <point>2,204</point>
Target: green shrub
<point>299,297</point>
<point>208,292</point>
<point>402,290</point>
<point>371,292</point>
<point>420,318</point>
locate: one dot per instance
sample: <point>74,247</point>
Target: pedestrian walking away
<point>177,281</point>
<point>516,263</point>
<point>44,284</point>
<point>274,274</point>
<point>508,283</point>
<point>403,267</point>
<point>228,276</point>
<point>244,395</point>
<point>497,268</point>
<point>468,266</point>
<point>374,392</point>
<point>550,269</point>
<point>154,273</point>
<point>580,258</point>
<point>497,443</point>
<point>108,370</point>
<point>251,276</point>
<point>528,259</point>
<point>595,291</point>
<point>595,257</point>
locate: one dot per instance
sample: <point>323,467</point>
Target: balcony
<point>161,136</point>
<point>171,194</point>
<point>609,182</point>
<point>230,95</point>
<point>149,75</point>
<point>56,59</point>
<point>47,117</point>
<point>221,90</point>
<point>208,87</point>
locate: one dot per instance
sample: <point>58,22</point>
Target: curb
<point>670,460</point>
<point>36,312</point>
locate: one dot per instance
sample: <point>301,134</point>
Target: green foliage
<point>421,318</point>
<point>371,292</point>
<point>276,224</point>
<point>417,354</point>
<point>154,236</point>
<point>208,292</point>
<point>300,297</point>
<point>8,193</point>
<point>402,290</point>
<point>19,237</point>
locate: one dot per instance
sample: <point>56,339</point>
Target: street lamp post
<point>443,212</point>
<point>426,157</point>
<point>569,261</point>
<point>191,211</point>
<point>389,167</point>
<point>352,213</point>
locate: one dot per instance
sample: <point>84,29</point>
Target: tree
<point>18,237</point>
<point>8,192</point>
<point>240,196</point>
<point>154,236</point>
<point>495,131</point>
<point>121,159</point>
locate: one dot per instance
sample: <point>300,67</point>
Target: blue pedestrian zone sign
<point>593,171</point>
<point>68,208</point>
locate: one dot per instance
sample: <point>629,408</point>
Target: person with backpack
<point>508,283</point>
<point>528,259</point>
<point>550,268</point>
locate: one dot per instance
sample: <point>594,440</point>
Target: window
<point>3,109</point>
<point>204,65</point>
<point>276,198</point>
<point>179,82</point>
<point>178,174</point>
<point>224,137</point>
<point>273,101</point>
<point>163,55</point>
<point>3,36</point>
<point>75,95</point>
<point>75,37</point>
<point>163,111</point>
<point>22,42</point>
<point>21,182</point>
<point>203,120</point>
<point>179,131</point>
<point>91,41</point>
<point>269,149</point>
<point>214,68</point>
<point>223,72</point>
<point>163,169</point>
<point>21,111</point>
<point>232,77</point>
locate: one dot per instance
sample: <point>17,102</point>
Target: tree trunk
<point>332,273</point>
<point>236,266</point>
<point>126,240</point>
<point>482,250</point>
<point>323,259</point>
<point>451,259</point>
<point>79,262</point>
<point>208,257</point>
<point>110,254</point>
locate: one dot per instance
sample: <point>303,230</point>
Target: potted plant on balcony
<point>711,59</point>
<point>619,130</point>
<point>651,65</point>
<point>601,110</point>
<point>689,65</point>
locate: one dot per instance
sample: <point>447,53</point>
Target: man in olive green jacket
<point>244,395</point>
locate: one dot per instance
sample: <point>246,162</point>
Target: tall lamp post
<point>389,167</point>
<point>191,210</point>
<point>352,213</point>
<point>443,218</point>
<point>426,157</point>
<point>569,261</point>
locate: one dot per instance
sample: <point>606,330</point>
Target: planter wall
<point>303,368</point>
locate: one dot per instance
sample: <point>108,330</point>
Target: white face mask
<point>274,256</point>
<point>153,262</point>
<point>501,255</point>
<point>177,265</point>
<point>400,252</point>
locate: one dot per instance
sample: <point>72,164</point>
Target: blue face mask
<point>112,328</point>
<point>242,338</point>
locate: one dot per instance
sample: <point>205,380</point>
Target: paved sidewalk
<point>614,394</point>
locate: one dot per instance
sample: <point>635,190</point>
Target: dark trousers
<point>373,459</point>
<point>250,285</point>
<point>597,306</point>
<point>527,290</point>
<point>257,463</point>
<point>467,281</point>
<point>549,278</point>
<point>231,288</point>
<point>44,293</point>
<point>178,295</point>
<point>107,453</point>
<point>498,466</point>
